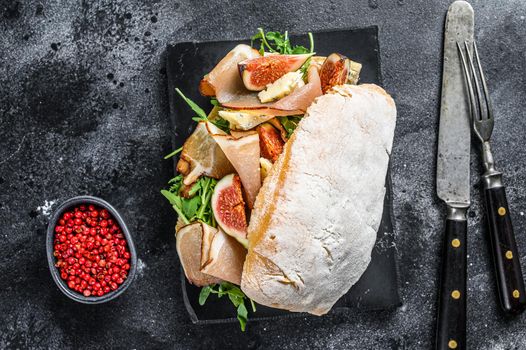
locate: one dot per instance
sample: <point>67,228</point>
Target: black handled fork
<point>510,282</point>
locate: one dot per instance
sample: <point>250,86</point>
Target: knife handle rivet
<point>516,294</point>
<point>501,211</point>
<point>509,255</point>
<point>455,294</point>
<point>452,344</point>
<point>455,243</point>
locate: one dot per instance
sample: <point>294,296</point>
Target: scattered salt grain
<point>46,208</point>
<point>140,267</point>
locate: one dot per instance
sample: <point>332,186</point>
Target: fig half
<point>229,208</point>
<point>270,142</point>
<point>258,72</point>
<point>334,71</point>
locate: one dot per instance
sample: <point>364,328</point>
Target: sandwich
<point>280,188</point>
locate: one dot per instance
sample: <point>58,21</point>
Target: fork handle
<point>510,281</point>
<point>451,323</point>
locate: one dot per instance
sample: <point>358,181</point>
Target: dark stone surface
<point>83,110</point>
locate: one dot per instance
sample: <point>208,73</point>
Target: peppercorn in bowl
<point>90,251</point>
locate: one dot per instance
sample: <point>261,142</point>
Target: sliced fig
<point>270,142</point>
<point>229,208</point>
<point>258,72</point>
<point>334,71</point>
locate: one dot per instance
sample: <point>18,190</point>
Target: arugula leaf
<point>173,153</point>
<point>201,115</point>
<point>196,187</point>
<point>236,296</point>
<point>198,206</point>
<point>190,207</point>
<point>176,204</point>
<point>203,295</point>
<point>242,316</point>
<point>289,123</point>
<point>221,124</point>
<point>280,43</point>
<point>261,36</point>
<point>176,183</point>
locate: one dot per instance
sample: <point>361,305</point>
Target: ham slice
<point>243,154</point>
<point>302,98</point>
<point>225,83</point>
<point>189,241</point>
<point>222,257</point>
<point>202,156</point>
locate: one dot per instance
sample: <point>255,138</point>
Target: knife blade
<point>453,160</point>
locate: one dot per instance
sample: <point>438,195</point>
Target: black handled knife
<point>453,157</point>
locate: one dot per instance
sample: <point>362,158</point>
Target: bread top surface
<point>315,218</point>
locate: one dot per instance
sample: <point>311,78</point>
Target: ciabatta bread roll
<point>315,219</point>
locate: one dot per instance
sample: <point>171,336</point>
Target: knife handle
<point>510,282</point>
<point>451,327</point>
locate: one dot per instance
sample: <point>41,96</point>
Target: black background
<point>83,110</point>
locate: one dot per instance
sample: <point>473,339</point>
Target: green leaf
<point>235,299</point>
<point>297,50</point>
<point>190,206</point>
<point>280,43</point>
<point>236,296</point>
<point>176,179</point>
<point>176,183</point>
<point>173,153</point>
<point>242,316</point>
<point>198,110</point>
<point>195,188</point>
<point>221,124</point>
<point>215,102</point>
<point>289,123</point>
<point>176,204</point>
<point>172,198</point>
<point>203,295</point>
<point>199,205</point>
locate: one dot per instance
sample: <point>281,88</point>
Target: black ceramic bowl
<point>73,202</point>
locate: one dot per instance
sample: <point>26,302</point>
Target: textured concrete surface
<point>83,110</point>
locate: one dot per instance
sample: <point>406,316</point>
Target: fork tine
<point>471,94</point>
<point>475,79</point>
<point>489,108</point>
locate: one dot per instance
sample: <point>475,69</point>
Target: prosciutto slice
<point>302,98</point>
<point>243,153</point>
<point>225,83</point>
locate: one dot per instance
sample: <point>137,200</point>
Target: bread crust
<point>315,218</point>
